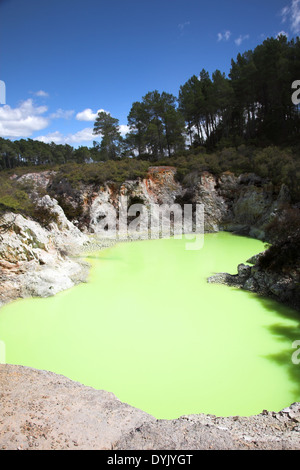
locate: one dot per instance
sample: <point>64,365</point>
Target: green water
<point>149,328</point>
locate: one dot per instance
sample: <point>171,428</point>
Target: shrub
<point>44,216</point>
<point>284,232</point>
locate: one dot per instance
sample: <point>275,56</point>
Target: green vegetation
<point>156,126</point>
<point>13,196</point>
<point>99,173</point>
<point>107,127</point>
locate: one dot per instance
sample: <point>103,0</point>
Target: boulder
<point>34,259</point>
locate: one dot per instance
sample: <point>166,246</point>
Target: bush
<point>13,198</point>
<point>284,231</point>
<point>43,216</point>
<point>286,223</point>
<point>99,173</point>
<point>282,256</point>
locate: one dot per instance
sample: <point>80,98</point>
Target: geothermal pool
<point>149,328</point>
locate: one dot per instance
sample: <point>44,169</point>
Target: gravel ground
<point>40,410</point>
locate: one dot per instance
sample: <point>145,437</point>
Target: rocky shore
<point>281,287</point>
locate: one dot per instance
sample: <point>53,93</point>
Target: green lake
<point>149,328</point>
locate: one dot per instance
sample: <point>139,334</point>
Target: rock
<point>21,238</point>
<point>37,180</point>
<point>220,278</point>
<point>252,204</point>
<point>244,271</point>
<point>255,232</point>
<point>97,209</point>
<point>234,280</point>
<point>238,229</point>
<point>244,205</point>
<point>255,258</point>
<point>159,187</point>
<point>48,280</point>
<point>250,285</point>
<point>280,287</point>
<point>34,259</point>
<point>215,207</point>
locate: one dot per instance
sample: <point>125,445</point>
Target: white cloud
<point>23,120</point>
<point>282,33</point>
<point>224,36</point>
<point>56,137</point>
<point>27,118</point>
<point>41,93</point>
<point>62,114</point>
<point>284,14</point>
<point>124,129</point>
<point>88,115</point>
<point>84,135</point>
<point>241,38</point>
<point>291,14</point>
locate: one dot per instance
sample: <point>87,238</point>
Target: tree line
<point>251,106</point>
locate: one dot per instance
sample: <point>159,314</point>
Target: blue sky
<point>63,60</point>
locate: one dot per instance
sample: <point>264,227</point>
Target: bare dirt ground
<point>40,410</point>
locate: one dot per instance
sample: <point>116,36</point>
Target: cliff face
<point>245,204</point>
